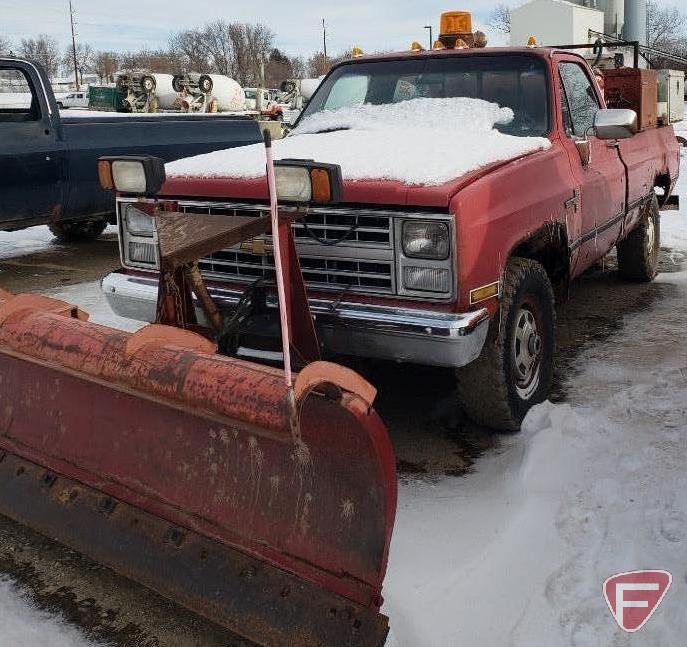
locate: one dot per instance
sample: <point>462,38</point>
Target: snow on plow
<point>262,503</point>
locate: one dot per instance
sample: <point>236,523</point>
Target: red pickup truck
<point>463,272</point>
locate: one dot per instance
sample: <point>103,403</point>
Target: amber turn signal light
<point>105,174</point>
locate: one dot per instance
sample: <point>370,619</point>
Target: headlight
<point>426,279</point>
<point>426,239</point>
<point>293,183</point>
<point>129,176</point>
<point>138,223</point>
<point>307,181</point>
<point>135,174</point>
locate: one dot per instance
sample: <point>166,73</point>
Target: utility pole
<point>76,67</point>
<point>324,40</point>
<point>431,42</point>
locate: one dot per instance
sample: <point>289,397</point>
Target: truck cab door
<point>31,157</point>
<point>599,199</point>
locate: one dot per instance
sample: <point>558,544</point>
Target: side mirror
<point>612,123</point>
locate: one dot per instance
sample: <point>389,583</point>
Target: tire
<point>69,232</point>
<point>60,105</point>
<point>638,252</point>
<point>148,84</point>
<point>178,83</point>
<point>515,369</point>
<point>205,84</point>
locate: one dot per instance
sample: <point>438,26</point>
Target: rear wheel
<point>515,369</point>
<point>68,232</point>
<point>638,253</point>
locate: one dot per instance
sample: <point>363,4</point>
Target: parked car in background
<point>73,100</point>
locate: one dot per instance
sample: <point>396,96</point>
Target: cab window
<point>18,100</point>
<point>579,101</point>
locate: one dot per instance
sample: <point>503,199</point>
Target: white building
<point>555,22</point>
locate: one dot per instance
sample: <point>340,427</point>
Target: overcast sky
<point>133,24</point>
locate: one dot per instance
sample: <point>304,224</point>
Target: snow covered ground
<point>30,241</point>
<point>22,625</point>
<point>516,553</point>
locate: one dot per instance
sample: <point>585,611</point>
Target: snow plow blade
<point>179,469</point>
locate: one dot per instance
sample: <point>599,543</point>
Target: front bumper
<point>382,332</point>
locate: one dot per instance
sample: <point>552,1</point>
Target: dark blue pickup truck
<point>48,170</point>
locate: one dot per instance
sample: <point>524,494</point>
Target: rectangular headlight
<point>134,174</point>
<point>426,239</point>
<point>138,223</point>
<point>129,176</point>
<point>293,183</point>
<point>426,279</point>
<point>142,253</point>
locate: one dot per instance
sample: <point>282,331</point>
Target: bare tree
<point>159,60</point>
<point>298,67</point>
<point>258,42</point>
<point>319,64</point>
<point>105,65</point>
<point>85,60</point>
<point>665,26</point>
<point>499,18</point>
<point>190,47</point>
<point>218,40</point>
<point>43,50</point>
<point>4,46</point>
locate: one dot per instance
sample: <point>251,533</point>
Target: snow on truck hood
<point>416,142</point>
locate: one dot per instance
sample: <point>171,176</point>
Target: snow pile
<point>462,113</point>
<point>516,553</point>
<point>23,625</point>
<point>417,142</point>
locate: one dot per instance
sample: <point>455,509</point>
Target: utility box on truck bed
<point>671,95</point>
<point>636,89</point>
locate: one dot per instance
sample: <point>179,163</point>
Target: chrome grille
<point>364,261</point>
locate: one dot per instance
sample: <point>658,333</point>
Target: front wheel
<point>69,232</point>
<point>515,369</point>
<point>638,252</point>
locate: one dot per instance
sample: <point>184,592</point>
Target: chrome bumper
<point>383,332</point>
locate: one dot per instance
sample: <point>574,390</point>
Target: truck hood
<point>416,152</point>
<point>370,191</point>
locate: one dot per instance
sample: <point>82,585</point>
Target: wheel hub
<point>527,350</point>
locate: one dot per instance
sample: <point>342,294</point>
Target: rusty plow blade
<point>178,468</point>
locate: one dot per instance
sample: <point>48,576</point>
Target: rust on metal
<point>197,284</point>
<point>203,441</point>
<point>318,374</point>
<point>238,591</point>
<point>184,238</point>
<point>156,334</point>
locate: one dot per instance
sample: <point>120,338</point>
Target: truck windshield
<point>514,81</point>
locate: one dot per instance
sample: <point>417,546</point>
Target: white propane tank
<point>227,92</point>
<point>308,87</point>
<point>166,96</point>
